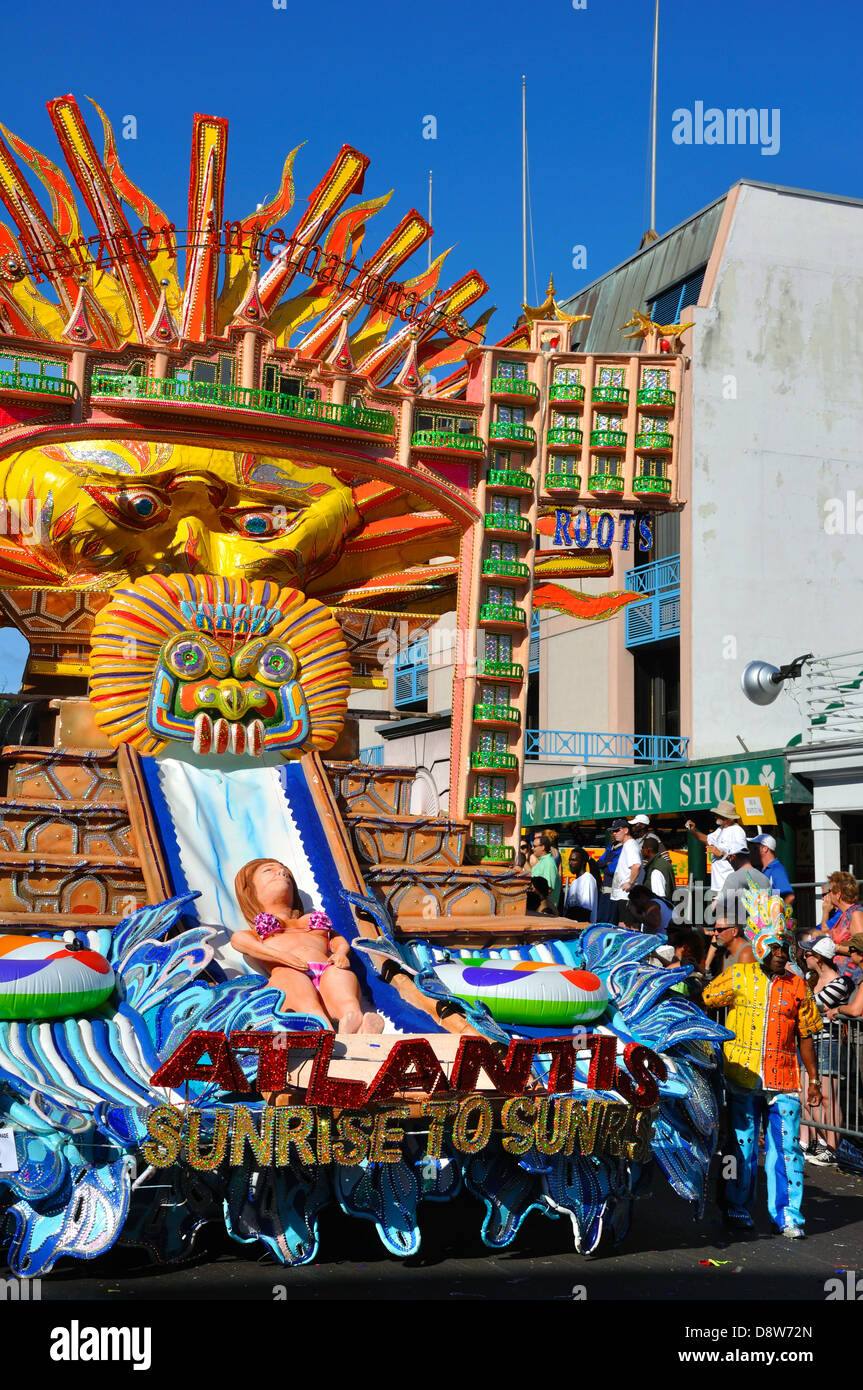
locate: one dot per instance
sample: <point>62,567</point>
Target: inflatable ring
<point>527,992</point>
<point>44,979</point>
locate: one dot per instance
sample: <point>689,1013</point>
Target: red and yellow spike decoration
<point>106,290</point>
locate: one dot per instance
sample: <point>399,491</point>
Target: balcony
<point>654,442</point>
<point>37,382</point>
<point>657,614</point>
<point>505,615</point>
<point>510,388</point>
<point>562,482</point>
<point>509,480</point>
<point>522,436</point>
<point>503,521</point>
<point>566,395</point>
<point>505,569</point>
<point>606,482</point>
<point>649,398</point>
<point>493,762</point>
<point>487,667</point>
<point>645,484</point>
<point>608,439</point>
<point>584,747</point>
<point>610,395</point>
<point>495,716</point>
<point>561,438</point>
<point>147,391</point>
<point>490,808</point>
<point>411,676</point>
<point>446,442</point>
<point>490,854</point>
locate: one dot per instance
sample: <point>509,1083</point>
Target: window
<point>447,424</point>
<point>651,468</point>
<point>510,414</point>
<point>275,380</point>
<point>498,646</point>
<point>501,458</point>
<point>655,379</point>
<point>512,506</point>
<point>514,371</point>
<point>669,304</point>
<point>652,424</point>
<point>608,422</point>
<point>495,695</point>
<point>496,594</point>
<point>611,376</point>
<point>205,372</point>
<point>567,464</point>
<point>567,376</point>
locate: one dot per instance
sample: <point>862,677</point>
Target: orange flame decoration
<point>593,608</point>
<point>116,278</point>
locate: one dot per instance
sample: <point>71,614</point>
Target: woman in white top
<point>582,894</point>
<point>728,838</point>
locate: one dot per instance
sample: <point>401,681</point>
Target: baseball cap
<point>823,947</point>
<point>640,820</point>
<point>855,943</point>
<point>619,824</point>
<point>767,840</point>
<point>665,954</point>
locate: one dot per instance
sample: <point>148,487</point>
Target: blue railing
<point>373,756</point>
<point>658,616</point>
<point>586,747</point>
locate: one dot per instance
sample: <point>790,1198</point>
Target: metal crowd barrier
<point>840,1063</point>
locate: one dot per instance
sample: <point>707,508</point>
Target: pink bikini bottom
<point>316,970</point>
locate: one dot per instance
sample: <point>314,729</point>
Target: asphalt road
<point>660,1259</point>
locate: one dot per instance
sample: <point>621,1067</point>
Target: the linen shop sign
<point>690,787</point>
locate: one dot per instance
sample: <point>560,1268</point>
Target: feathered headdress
<point>767,919</point>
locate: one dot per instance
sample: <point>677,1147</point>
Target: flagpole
<point>653,116</point>
<point>524,189</point>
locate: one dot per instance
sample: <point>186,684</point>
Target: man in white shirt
<point>728,838</point>
<point>629,869</point>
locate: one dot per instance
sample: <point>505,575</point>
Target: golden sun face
<point>101,510</point>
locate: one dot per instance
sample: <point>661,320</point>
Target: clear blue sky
<point>341,72</point>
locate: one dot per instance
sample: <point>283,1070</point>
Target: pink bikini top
<point>266,924</point>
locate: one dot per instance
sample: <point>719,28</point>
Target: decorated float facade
<point>234,458</point>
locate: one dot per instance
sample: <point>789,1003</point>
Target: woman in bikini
<point>302,955</point>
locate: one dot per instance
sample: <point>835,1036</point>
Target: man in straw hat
<point>728,838</point>
<point>771,1013</point>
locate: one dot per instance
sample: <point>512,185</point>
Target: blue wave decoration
<point>77,1092</point>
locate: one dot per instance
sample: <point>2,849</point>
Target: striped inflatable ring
<point>44,979</point>
<point>527,992</point>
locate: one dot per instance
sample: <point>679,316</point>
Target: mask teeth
<point>203,740</point>
<point>255,738</point>
<point>221,736</point>
<point>238,738</point>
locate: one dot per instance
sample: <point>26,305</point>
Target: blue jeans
<point>784,1156</point>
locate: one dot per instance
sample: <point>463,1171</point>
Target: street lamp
<point>762,682</point>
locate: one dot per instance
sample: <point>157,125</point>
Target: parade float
<point>239,980</point>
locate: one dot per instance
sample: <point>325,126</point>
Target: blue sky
<point>369,74</point>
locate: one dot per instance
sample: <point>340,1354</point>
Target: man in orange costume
<point>771,1013</point>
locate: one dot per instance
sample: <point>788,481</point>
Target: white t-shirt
<point>582,892</point>
<point>630,854</point>
<point>657,883</point>
<point>730,839</point>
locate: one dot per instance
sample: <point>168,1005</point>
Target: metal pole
<point>430,215</point>
<point>524,189</point>
<point>653,117</point>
